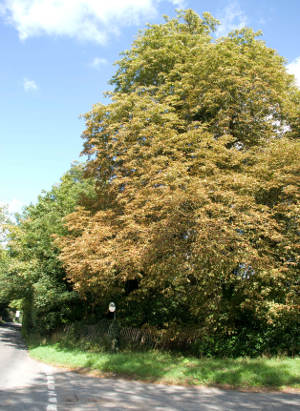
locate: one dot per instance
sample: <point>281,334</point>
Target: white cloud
<point>294,68</point>
<point>97,62</point>
<point>91,20</point>
<point>231,18</point>
<point>179,3</point>
<point>29,85</point>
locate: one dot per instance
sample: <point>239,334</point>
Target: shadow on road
<point>82,392</point>
<point>77,392</point>
<point>9,336</point>
<point>33,398</point>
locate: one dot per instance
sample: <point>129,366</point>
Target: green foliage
<point>188,214</point>
<point>163,367</point>
<point>34,272</point>
<point>4,288</point>
<point>196,161</point>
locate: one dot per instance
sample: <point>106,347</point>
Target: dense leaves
<point>196,161</point>
<point>187,212</point>
<point>33,272</point>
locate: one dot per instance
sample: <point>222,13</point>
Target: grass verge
<point>155,366</point>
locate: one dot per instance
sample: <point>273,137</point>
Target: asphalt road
<point>29,385</point>
<point>23,382</point>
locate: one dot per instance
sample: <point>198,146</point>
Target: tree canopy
<point>196,161</point>
<point>33,272</point>
<point>186,213</point>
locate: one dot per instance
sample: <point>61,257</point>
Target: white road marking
<point>52,399</point>
<point>51,387</point>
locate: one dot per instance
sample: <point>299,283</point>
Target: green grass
<point>154,366</point>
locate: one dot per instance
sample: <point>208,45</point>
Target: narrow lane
<point>23,382</point>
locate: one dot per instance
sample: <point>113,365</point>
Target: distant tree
<point>35,273</point>
<point>197,170</point>
<point>4,292</point>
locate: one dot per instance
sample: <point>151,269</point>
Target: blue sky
<point>57,58</point>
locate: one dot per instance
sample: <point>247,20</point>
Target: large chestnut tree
<point>196,158</point>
